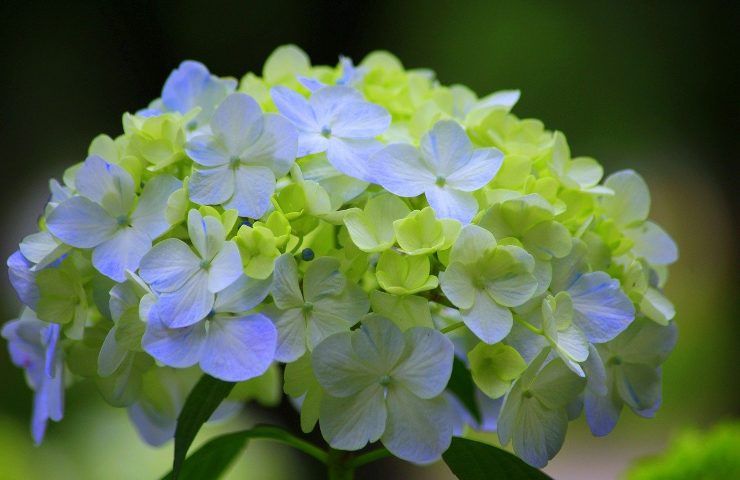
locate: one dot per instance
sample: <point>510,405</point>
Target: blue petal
<point>478,170</point>
<point>106,184</point>
<point>446,147</point>
<point>186,306</point>
<point>276,148</point>
<point>401,170</point>
<point>206,151</point>
<point>81,223</point>
<point>211,186</point>
<point>600,307</point>
<point>175,347</point>
<point>23,279</point>
<point>149,216</point>
<point>168,265</point>
<point>191,85</point>
<point>121,252</point>
<point>225,267</point>
<point>449,203</point>
<point>238,349</point>
<point>295,108</point>
<point>253,188</point>
<point>237,123</point>
<point>242,295</point>
<point>360,120</point>
<point>352,157</point>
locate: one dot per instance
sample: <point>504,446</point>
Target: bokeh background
<point>647,85</point>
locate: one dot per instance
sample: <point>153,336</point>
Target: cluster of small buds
<point>367,228</point>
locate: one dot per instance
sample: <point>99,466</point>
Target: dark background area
<point>646,85</point>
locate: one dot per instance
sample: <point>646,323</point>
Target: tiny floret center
<point>615,361</point>
<point>234,161</point>
<point>527,394</point>
<point>204,264</point>
<point>441,181</point>
<point>385,380</point>
<point>122,220</point>
<point>326,131</point>
<point>307,307</point>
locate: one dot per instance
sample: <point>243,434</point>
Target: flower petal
<point>602,310</point>
<point>449,203</point>
<point>285,290</point>
<point>149,216</point>
<point>418,430</point>
<point>446,147</point>
<point>400,169</point>
<point>174,347</point>
<point>338,367</point>
<point>186,306</point>
<point>81,223</point>
<point>211,186</point>
<point>225,267</point>
<point>242,295</point>
<point>352,422</point>
<point>480,169</point>
<point>276,148</point>
<point>168,265</point>
<point>238,349</point>
<point>121,252</point>
<point>427,365</point>
<point>291,326</point>
<point>253,188</point>
<point>352,156</point>
<point>206,233</point>
<point>488,320</point>
<point>295,108</point>
<point>207,151</point>
<point>237,122</point>
<point>106,184</point>
<point>359,120</point>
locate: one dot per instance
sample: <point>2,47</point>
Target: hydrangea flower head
<point>384,236</point>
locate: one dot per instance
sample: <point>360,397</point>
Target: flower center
<point>307,307</point>
<point>385,380</point>
<point>122,220</point>
<point>235,161</point>
<point>204,264</point>
<point>441,181</point>
<point>211,314</point>
<point>326,131</point>
<point>527,394</point>
<point>616,360</point>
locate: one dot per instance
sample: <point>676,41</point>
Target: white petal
<point>488,320</point>
<point>295,108</point>
<point>149,216</point>
<point>338,368</point>
<point>252,191</point>
<point>417,430</point>
<point>206,233</point>
<point>400,169</point>
<point>427,365</point>
<point>225,267</point>
<point>352,422</point>
<point>81,223</point>
<point>291,326</point>
<point>168,265</point>
<point>379,345</point>
<point>237,122</point>
<point>449,203</point>
<point>285,290</point>
<point>120,253</point>
<point>631,200</point>
<point>653,244</point>
<point>106,184</point>
<point>211,186</point>
<point>240,348</point>
<point>480,169</point>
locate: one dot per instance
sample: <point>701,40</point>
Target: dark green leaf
<point>203,400</point>
<point>212,459</point>
<point>470,460</point>
<point>461,384</point>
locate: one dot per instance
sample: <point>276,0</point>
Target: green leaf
<point>461,385</point>
<point>212,459</point>
<point>470,460</point>
<point>203,400</point>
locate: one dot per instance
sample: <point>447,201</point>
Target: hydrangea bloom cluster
<point>364,226</point>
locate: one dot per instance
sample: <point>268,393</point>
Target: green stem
<point>339,465</point>
<point>529,326</point>
<point>282,436</point>
<point>454,326</point>
<point>368,457</point>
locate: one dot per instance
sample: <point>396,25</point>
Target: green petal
<point>372,229</point>
<point>494,367</point>
<point>405,311</point>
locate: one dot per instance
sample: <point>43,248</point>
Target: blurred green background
<point>647,85</point>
